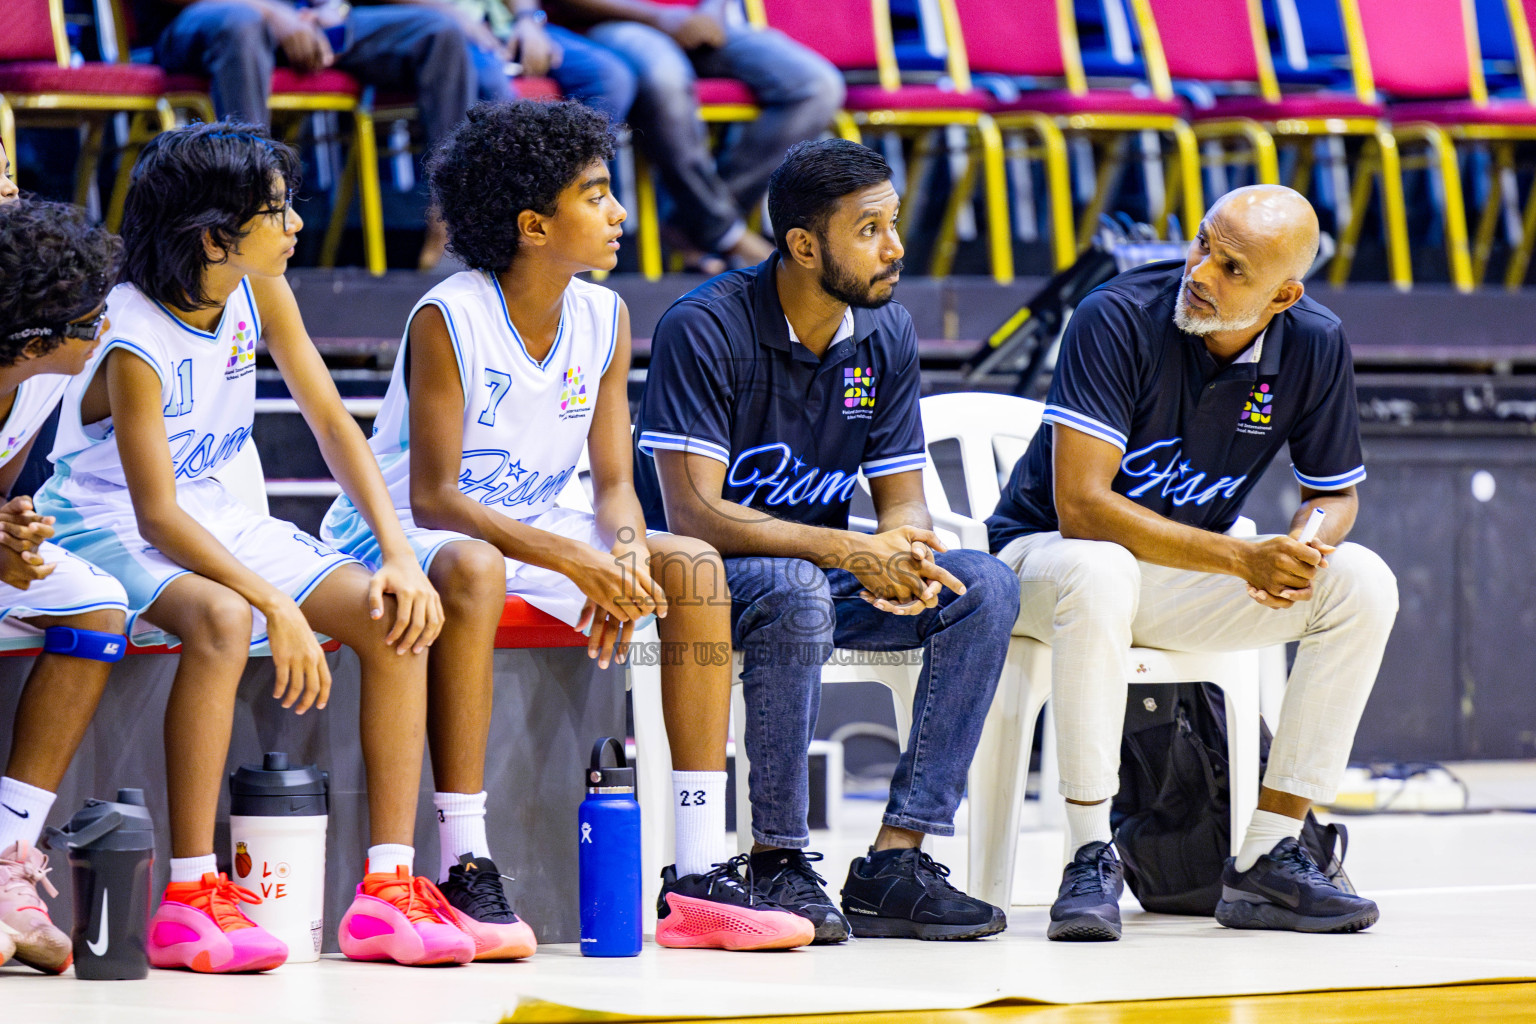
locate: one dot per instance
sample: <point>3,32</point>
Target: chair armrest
<point>967,532</point>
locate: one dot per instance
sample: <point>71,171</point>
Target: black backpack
<point>1173,814</point>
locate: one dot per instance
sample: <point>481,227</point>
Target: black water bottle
<point>111,847</point>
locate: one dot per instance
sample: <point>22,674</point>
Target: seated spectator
<point>530,47</point>
<point>667,46</point>
<point>420,48</point>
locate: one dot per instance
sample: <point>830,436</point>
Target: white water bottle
<point>277,825</point>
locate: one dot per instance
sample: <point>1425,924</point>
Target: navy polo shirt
<point>726,381</point>
<point>1196,436</point>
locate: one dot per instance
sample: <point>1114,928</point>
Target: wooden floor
<point>1461,1004</point>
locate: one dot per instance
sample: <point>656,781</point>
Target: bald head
<point>1275,225</point>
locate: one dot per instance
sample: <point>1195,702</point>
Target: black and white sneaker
<point>1285,891</point>
<point>904,894</point>
<point>787,878</point>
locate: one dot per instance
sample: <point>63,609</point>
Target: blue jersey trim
<point>613,341</point>
<point>1088,425</point>
<point>651,440</point>
<point>453,338</point>
<point>1337,482</point>
<point>245,283</point>
<point>895,464</point>
<point>196,332</point>
<point>506,315</point>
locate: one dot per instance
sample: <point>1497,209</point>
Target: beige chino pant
<point>1092,601</point>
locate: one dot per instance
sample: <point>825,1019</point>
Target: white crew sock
<point>1265,832</point>
<point>192,869</point>
<point>385,857</point>
<point>698,808</point>
<point>22,810</point>
<point>1087,823</point>
<point>460,829</point>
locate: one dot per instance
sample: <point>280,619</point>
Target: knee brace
<point>91,644</point>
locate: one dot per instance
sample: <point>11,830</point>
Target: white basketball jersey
<point>207,386</point>
<point>524,421</point>
<point>35,399</point>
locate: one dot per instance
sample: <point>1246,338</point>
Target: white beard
<point>1184,317</point>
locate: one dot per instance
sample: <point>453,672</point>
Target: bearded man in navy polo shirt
<point>769,389</point>
<point>1176,386</point>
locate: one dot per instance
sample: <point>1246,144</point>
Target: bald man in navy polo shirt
<point>769,389</point>
<point>1176,386</point>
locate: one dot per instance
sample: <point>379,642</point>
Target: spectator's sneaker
<point>786,877</point>
<point>903,894</point>
<point>1087,907</point>
<point>39,943</point>
<point>200,926</point>
<point>479,906</point>
<point>717,910</point>
<point>1285,891</point>
<point>397,917</point>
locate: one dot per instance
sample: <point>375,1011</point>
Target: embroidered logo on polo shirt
<point>1257,412</point>
<point>858,392</point>
<point>242,352</point>
<point>573,394</point>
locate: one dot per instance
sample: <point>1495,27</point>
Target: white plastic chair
<point>993,431</point>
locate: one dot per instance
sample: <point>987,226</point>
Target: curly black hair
<point>55,267</point>
<point>202,179</point>
<point>506,158</point>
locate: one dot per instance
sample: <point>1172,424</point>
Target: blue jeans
<point>788,614</point>
<point>797,91</point>
<point>587,73</point>
<point>396,47</point>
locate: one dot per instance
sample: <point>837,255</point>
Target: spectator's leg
<point>964,641</point>
<point>666,127</point>
<point>491,84</point>
<point>414,49</point>
<point>593,75</point>
<point>782,615</point>
<point>798,91</point>
<point>420,50</point>
<point>231,44</point>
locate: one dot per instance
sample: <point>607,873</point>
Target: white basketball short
<point>545,589</point>
<point>95,520</point>
<point>74,586</point>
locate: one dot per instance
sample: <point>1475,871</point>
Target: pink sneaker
<point>404,919</point>
<point>717,910</point>
<point>200,926</point>
<point>39,943</point>
<point>479,903</point>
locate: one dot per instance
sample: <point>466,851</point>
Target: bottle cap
<point>107,825</point>
<point>276,789</point>
<point>603,777</point>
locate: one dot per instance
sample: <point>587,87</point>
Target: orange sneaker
<point>200,926</point>
<point>404,919</point>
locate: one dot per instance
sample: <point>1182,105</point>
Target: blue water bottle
<point>609,854</point>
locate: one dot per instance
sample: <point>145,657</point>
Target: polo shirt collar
<point>771,325</point>
<point>843,333</point>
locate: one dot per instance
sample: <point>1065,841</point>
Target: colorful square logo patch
<point>858,387</point>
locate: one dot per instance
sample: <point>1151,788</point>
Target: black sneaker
<point>1087,907</point>
<point>718,910</point>
<point>474,892</point>
<point>1285,891</point>
<point>787,878</point>
<point>902,894</point>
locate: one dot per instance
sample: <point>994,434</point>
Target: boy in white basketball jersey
<point>143,435</point>
<point>505,372</point>
<point>55,269</point>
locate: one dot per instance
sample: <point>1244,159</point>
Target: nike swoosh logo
<point>99,947</point>
<point>20,814</point>
<point>1290,896</point>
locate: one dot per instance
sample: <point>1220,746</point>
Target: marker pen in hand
<point>1313,525</point>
